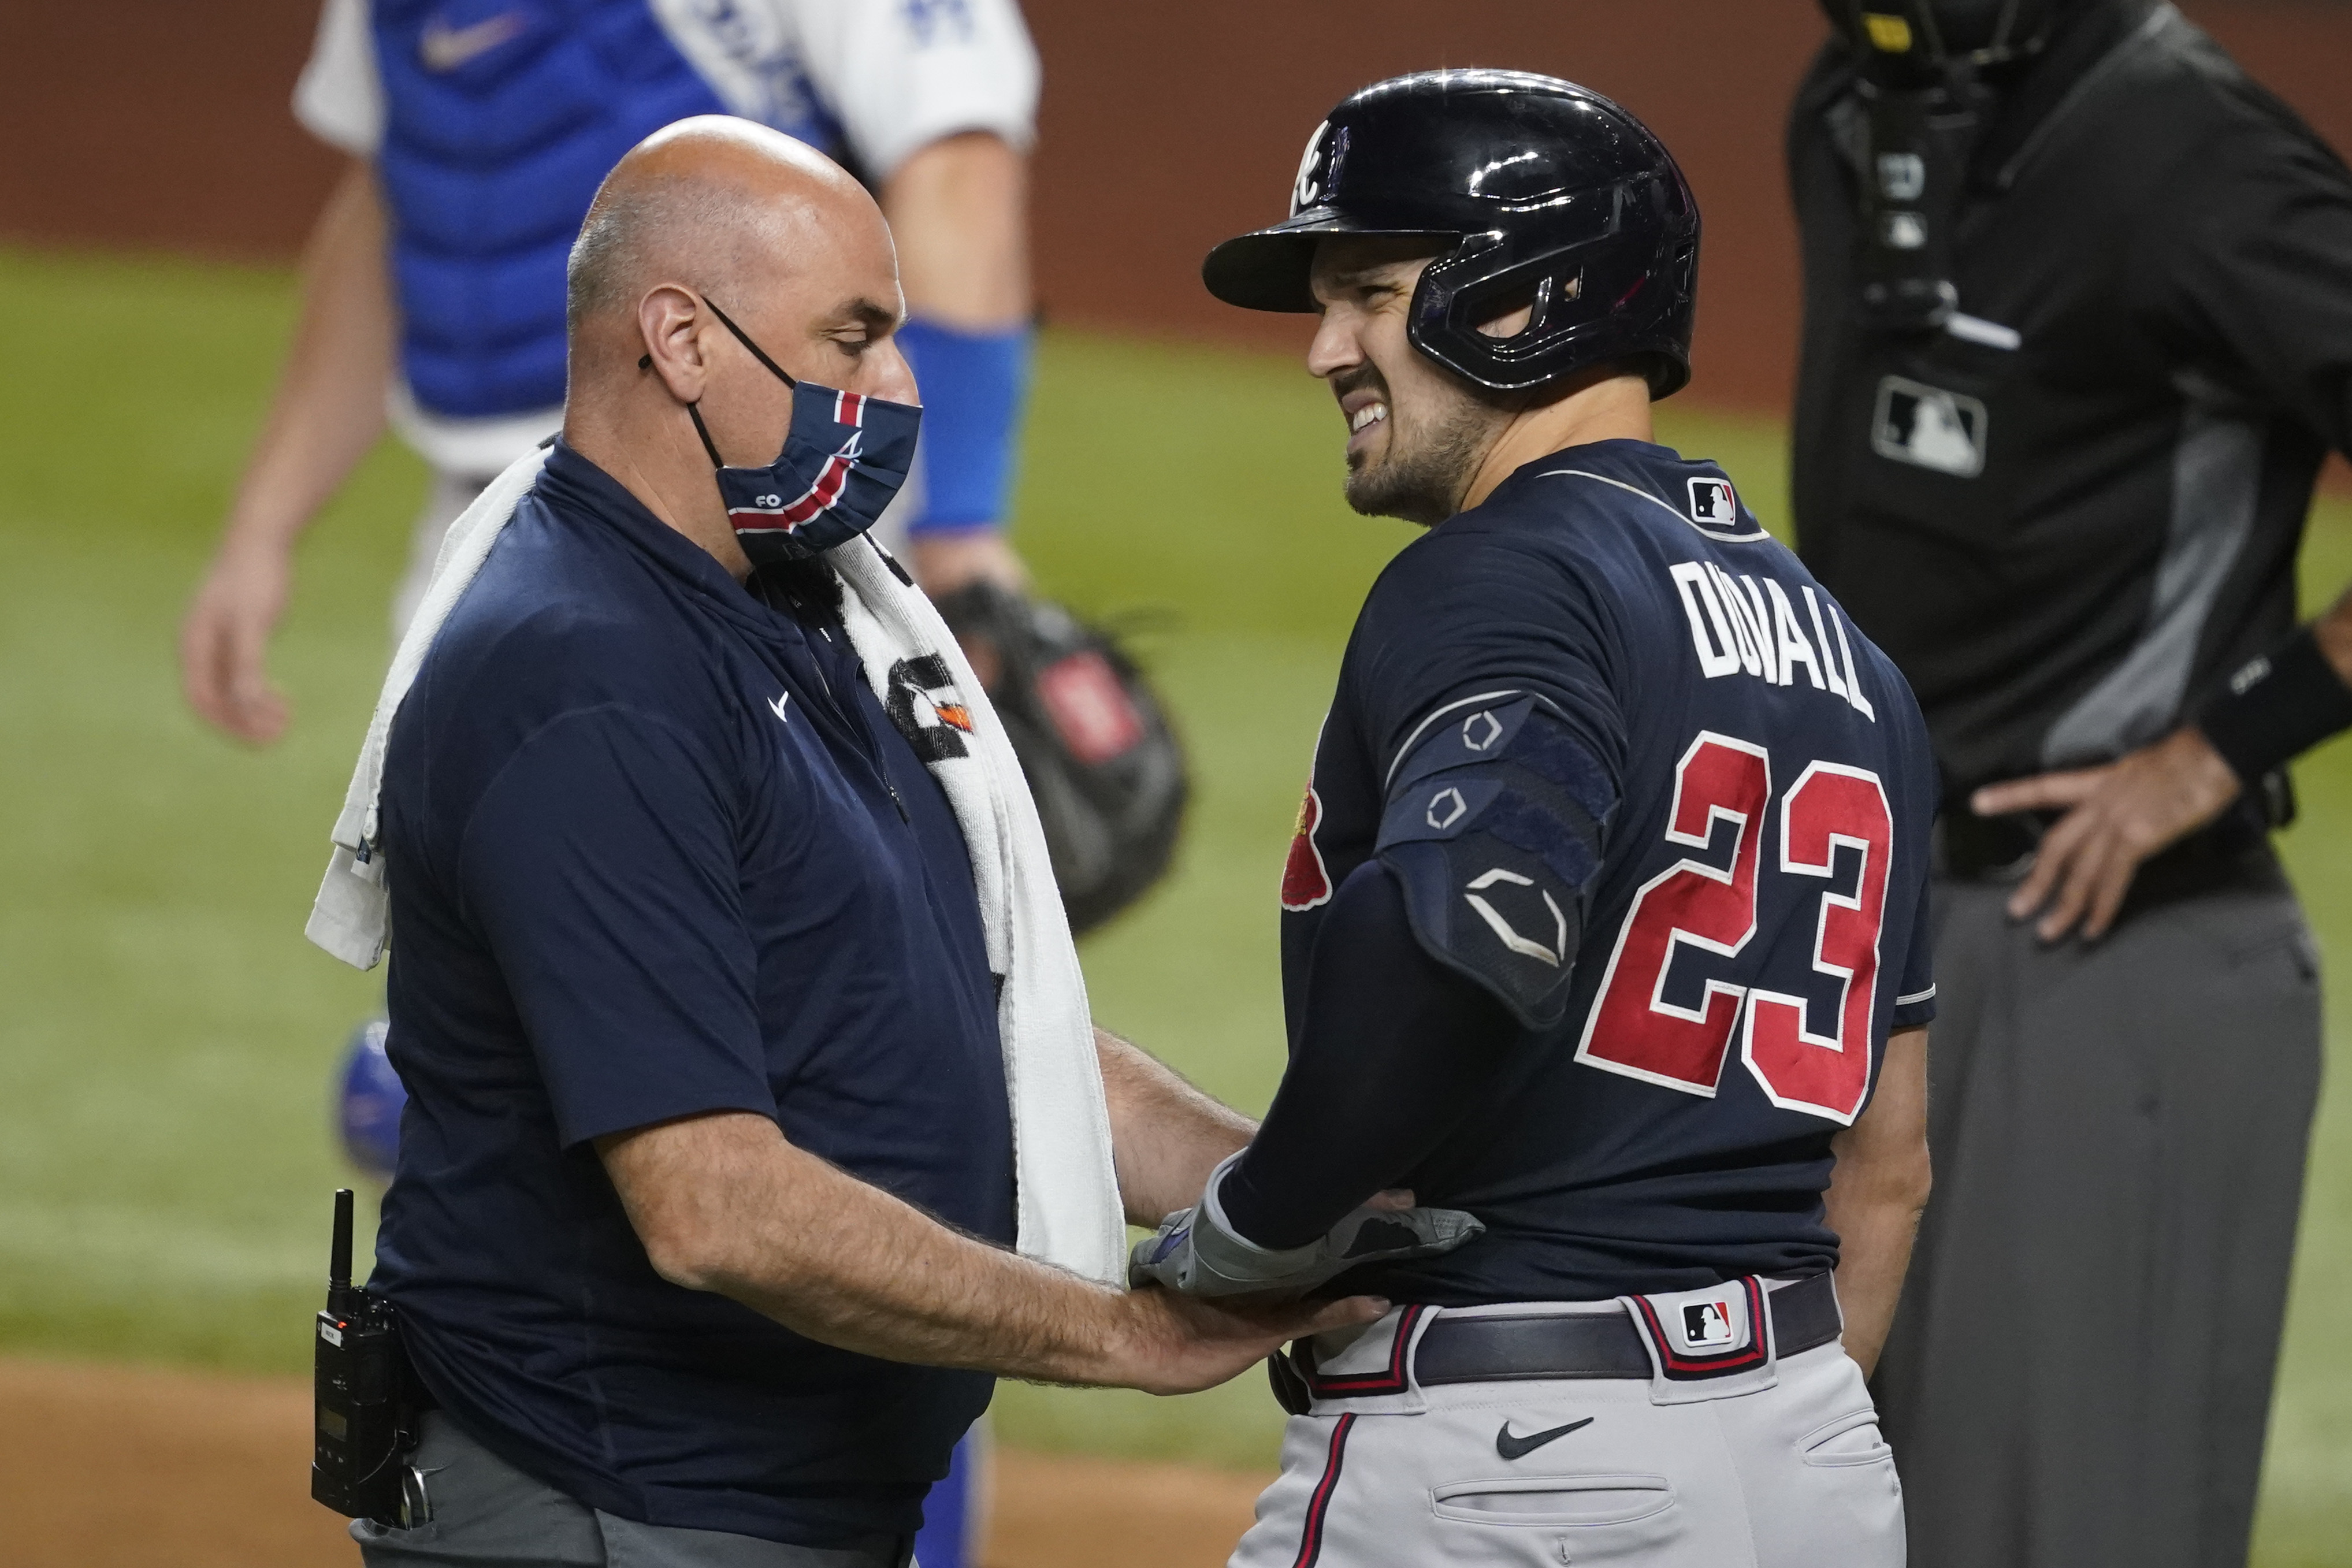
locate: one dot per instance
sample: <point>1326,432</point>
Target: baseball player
<point>1604,921</point>
<point>2078,332</point>
<point>477,130</point>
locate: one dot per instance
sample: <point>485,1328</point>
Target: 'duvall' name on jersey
<point>1740,625</point>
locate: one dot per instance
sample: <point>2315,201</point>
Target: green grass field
<point>166,1035</point>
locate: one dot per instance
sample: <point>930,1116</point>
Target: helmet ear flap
<point>1464,292</point>
<point>1543,299</point>
<point>1589,279</point>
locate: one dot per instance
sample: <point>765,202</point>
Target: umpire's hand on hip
<point>2117,816</point>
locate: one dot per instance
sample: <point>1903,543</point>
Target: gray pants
<point>1793,1475</point>
<point>488,1515</point>
<point>2080,1373</point>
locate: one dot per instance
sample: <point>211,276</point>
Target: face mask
<point>844,460</point>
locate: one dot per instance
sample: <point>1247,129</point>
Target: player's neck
<point>1609,407</point>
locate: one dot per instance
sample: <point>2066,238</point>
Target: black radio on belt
<point>366,1400</point>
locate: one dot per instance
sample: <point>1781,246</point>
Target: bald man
<point>699,1237</point>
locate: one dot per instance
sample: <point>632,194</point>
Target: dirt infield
<point>104,1466</point>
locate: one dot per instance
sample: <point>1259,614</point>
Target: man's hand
<point>1180,1344</point>
<point>1197,1250</point>
<point>225,640</point>
<point>942,562</point>
<point>2116,817</point>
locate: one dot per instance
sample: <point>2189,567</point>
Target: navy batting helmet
<point>1542,194</point>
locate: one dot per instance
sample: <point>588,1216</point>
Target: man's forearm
<point>329,408</point>
<point>1166,1135</point>
<point>1874,1235</point>
<point>1876,1194</point>
<point>2333,628</point>
<point>724,1202</point>
<point>959,210</point>
<point>1396,1054</point>
<point>727,1204</point>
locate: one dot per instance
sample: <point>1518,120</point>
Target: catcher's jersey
<point>490,124</point>
<point>1709,1003</point>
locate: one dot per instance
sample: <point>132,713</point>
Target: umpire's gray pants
<point>488,1515</point>
<point>2080,1375</point>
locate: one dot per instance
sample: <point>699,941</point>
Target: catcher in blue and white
<point>1604,930</point>
<point>476,130</point>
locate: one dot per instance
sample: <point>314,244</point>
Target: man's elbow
<point>690,1247</point>
<point>1896,1179</point>
<point>1911,1179</point>
<point>687,1256</point>
<point>676,1179</point>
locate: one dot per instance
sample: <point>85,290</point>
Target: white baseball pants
<point>1793,1475</point>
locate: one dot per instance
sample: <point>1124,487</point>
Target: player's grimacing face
<point>1414,435</point>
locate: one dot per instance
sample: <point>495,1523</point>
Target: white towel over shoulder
<point>1068,1192</point>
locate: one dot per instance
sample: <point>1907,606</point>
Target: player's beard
<point>1431,454</point>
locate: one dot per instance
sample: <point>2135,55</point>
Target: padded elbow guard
<point>1493,827</point>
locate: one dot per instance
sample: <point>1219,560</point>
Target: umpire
<point>2078,334</point>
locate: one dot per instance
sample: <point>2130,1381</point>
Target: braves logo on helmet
<point>1308,188</point>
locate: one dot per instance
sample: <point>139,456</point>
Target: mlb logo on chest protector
<point>1714,503</point>
<point>1928,428</point>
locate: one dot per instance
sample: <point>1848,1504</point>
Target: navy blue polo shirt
<point>654,850</point>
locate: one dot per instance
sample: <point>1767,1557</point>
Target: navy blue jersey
<point>1709,1002</point>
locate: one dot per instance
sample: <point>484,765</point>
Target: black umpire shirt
<point>2071,513</point>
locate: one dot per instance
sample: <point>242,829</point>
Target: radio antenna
<point>338,1258</point>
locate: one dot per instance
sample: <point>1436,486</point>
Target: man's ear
<point>669,321</point>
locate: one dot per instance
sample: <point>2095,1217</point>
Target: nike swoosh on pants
<point>1512,1447</point>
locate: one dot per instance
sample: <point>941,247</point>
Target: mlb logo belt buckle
<point>1711,1343</point>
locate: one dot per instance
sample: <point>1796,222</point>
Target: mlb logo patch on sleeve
<point>1714,503</point>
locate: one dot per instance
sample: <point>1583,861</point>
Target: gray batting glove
<point>1197,1250</point>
